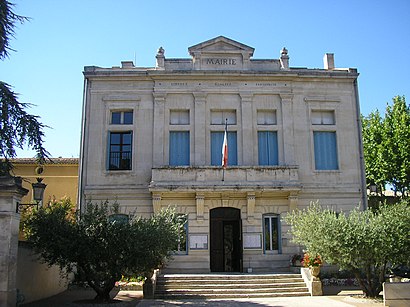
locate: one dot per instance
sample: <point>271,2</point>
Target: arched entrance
<point>225,240</point>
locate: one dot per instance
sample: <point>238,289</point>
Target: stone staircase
<point>217,286</point>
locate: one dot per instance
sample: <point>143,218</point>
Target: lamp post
<point>38,193</point>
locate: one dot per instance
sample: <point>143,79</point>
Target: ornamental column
<point>247,124</point>
<point>158,143</point>
<point>288,129</point>
<point>199,129</point>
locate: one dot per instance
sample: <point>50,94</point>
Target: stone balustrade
<point>237,177</point>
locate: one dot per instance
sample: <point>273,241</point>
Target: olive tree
<point>365,243</point>
<point>100,248</point>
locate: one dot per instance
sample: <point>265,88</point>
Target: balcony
<point>212,178</point>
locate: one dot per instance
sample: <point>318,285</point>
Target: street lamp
<point>38,193</point>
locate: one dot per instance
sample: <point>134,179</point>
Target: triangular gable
<point>221,53</point>
<point>220,44</point>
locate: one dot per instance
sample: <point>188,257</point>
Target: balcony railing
<point>240,177</point>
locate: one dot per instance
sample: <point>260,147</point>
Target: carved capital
<point>286,98</point>
<point>246,96</point>
<point>159,97</point>
<point>199,96</point>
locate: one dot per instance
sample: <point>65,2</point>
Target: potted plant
<point>313,263</point>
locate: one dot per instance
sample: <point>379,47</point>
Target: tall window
<point>268,147</point>
<point>122,117</point>
<point>216,148</point>
<point>325,150</point>
<point>181,247</point>
<point>179,148</point>
<point>271,232</point>
<point>120,150</point>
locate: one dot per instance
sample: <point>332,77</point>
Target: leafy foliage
<point>8,21</point>
<point>365,243</point>
<point>386,144</point>
<point>102,249</point>
<point>17,128</point>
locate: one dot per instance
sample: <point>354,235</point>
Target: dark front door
<point>225,240</point>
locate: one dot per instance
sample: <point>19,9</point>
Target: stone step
<point>229,285</point>
<point>229,295</point>
<point>238,276</point>
<point>176,285</point>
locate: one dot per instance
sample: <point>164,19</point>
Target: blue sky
<point>64,36</point>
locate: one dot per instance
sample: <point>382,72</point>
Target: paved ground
<point>334,297</point>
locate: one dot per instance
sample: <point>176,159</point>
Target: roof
<point>51,161</point>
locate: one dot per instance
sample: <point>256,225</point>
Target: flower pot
<point>315,271</point>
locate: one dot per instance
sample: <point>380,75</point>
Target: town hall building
<point>152,137</point>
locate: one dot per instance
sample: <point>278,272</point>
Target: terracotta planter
<point>315,271</point>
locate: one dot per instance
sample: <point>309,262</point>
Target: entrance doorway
<point>225,240</point>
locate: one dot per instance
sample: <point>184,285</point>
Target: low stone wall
<point>36,280</point>
<point>396,294</point>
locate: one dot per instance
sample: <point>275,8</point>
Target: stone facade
<point>152,137</point>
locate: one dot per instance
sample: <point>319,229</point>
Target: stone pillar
<point>251,205</point>
<point>199,129</point>
<point>288,129</point>
<point>293,201</point>
<point>200,201</point>
<point>11,192</point>
<point>156,202</point>
<point>247,129</point>
<point>159,114</point>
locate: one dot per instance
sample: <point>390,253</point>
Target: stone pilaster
<point>156,202</point>
<point>288,129</point>
<point>293,201</point>
<point>247,128</point>
<point>199,129</point>
<point>251,200</point>
<point>11,192</point>
<point>200,202</point>
<point>159,113</point>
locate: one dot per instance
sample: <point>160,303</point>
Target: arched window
<point>271,233</point>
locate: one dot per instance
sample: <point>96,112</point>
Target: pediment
<point>220,45</point>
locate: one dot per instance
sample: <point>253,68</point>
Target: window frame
<point>272,216</point>
<point>121,145</point>
<point>122,117</point>
<point>170,149</point>
<point>218,151</point>
<point>327,164</point>
<point>275,155</point>
<point>178,251</point>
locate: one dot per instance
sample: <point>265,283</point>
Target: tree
<point>17,127</point>
<point>386,144</point>
<point>366,242</point>
<point>102,249</point>
<point>396,145</point>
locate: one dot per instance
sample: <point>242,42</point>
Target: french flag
<point>225,147</point>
